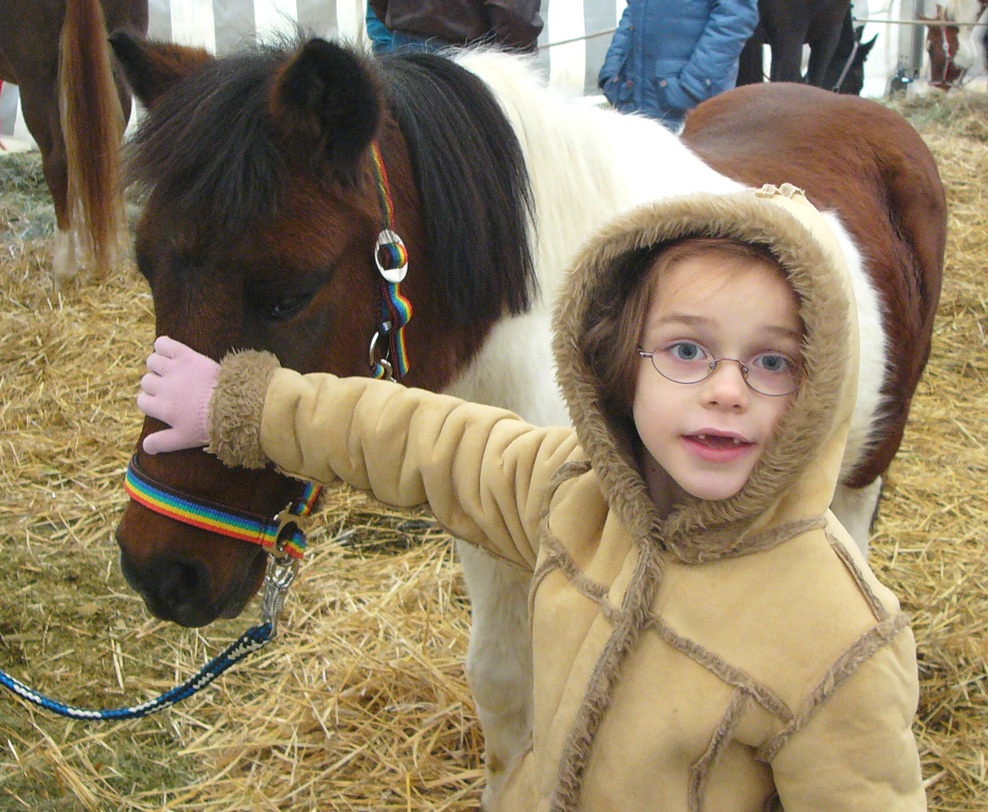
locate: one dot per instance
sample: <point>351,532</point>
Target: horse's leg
<point>39,104</point>
<point>499,657</point>
<point>499,662</point>
<point>750,68</point>
<point>821,55</point>
<point>787,58</point>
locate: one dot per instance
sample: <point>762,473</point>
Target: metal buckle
<point>396,274</point>
<point>373,360</point>
<point>285,519</point>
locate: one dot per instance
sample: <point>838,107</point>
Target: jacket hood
<point>792,485</point>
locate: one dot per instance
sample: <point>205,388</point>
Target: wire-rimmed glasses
<point>773,374</point>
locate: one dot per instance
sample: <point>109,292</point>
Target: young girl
<point>706,636</point>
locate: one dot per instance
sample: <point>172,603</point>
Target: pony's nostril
<point>181,585</point>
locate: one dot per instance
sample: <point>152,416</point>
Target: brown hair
<point>615,317</point>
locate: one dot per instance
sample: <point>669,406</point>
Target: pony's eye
<point>287,306</point>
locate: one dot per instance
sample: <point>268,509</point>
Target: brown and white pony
<point>263,204</point>
<point>57,52</point>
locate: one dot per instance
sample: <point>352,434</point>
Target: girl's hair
<point>615,317</point>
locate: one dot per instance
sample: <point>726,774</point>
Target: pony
<point>76,111</point>
<point>267,177</point>
<point>785,25</point>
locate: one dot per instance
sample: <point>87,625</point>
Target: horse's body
<point>786,25</point>
<point>259,227</point>
<point>56,51</point>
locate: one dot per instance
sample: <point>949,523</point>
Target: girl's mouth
<point>717,447</point>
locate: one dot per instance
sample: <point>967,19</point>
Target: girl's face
<point>704,438</point>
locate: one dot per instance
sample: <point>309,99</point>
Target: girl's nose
<point>726,387</point>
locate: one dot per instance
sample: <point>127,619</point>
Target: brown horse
<point>57,52</point>
<point>264,201</point>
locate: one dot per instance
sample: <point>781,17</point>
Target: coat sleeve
<point>515,23</point>
<point>617,51</point>
<point>857,751</point>
<point>482,470</point>
<point>731,24</point>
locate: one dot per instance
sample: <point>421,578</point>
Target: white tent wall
<point>571,48</point>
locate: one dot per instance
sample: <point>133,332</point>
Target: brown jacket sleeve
<point>482,470</point>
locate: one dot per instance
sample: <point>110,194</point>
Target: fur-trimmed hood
<point>794,481</point>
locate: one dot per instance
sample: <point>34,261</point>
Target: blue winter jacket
<point>668,55</point>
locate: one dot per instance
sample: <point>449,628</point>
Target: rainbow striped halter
<point>391,259</point>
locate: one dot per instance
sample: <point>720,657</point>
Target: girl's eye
<point>775,363</point>
<point>686,351</point>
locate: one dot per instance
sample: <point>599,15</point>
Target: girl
<point>705,634</point>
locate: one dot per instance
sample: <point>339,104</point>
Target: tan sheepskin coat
<point>737,656</point>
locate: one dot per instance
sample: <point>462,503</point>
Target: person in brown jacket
<point>513,25</point>
<point>706,635</point>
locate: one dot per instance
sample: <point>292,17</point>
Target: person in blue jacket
<point>669,55</point>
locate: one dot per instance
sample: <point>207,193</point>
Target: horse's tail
<point>92,126</point>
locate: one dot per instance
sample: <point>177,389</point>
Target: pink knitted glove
<point>176,391</point>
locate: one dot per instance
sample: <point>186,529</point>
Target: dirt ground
<point>361,702</point>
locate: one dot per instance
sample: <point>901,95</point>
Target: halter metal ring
<point>287,522</point>
<point>373,360</point>
<point>392,275</point>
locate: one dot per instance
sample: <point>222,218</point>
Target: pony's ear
<point>866,47</point>
<point>326,107</point>
<point>151,68</point>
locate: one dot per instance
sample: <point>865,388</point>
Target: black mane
<point>208,150</point>
<point>206,147</point>
<point>472,181</point>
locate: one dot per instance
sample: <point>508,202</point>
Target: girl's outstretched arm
<point>482,470</point>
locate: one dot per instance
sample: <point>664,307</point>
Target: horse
<point>969,47</point>
<point>76,110</point>
<point>786,25</point>
<point>267,177</point>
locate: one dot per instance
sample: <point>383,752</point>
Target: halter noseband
<point>282,535</point>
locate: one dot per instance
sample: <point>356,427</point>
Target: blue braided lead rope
<point>250,641</point>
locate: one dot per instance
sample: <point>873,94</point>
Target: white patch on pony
<point>855,509</point>
<point>499,662</point>
<point>873,355</point>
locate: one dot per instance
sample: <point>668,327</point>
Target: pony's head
<point>262,208</point>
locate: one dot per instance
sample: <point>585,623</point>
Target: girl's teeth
<point>703,438</point>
